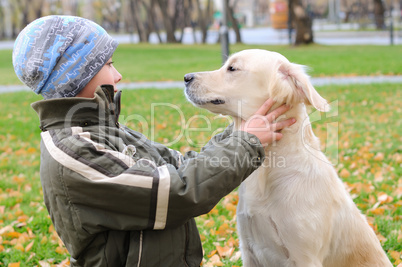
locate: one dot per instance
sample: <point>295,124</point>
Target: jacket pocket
<point>116,248</point>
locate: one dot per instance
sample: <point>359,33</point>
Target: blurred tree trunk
<point>181,14</point>
<point>233,20</point>
<point>348,11</point>
<point>69,7</point>
<point>37,7</point>
<point>207,19</point>
<point>23,6</point>
<point>151,19</point>
<point>20,13</point>
<point>168,22</point>
<point>2,23</point>
<point>136,20</point>
<point>189,22</point>
<point>301,22</point>
<point>379,11</point>
<point>111,14</point>
<point>204,18</point>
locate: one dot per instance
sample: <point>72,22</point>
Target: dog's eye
<point>230,68</point>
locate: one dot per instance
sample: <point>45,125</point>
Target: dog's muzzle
<point>188,79</point>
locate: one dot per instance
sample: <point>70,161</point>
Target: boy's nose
<point>118,77</point>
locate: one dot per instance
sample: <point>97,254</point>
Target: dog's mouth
<point>200,101</point>
<point>217,101</point>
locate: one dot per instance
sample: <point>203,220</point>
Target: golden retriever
<point>296,213</point>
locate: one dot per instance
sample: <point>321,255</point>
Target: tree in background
<point>205,14</point>
<point>301,22</point>
<point>231,16</point>
<point>136,20</point>
<point>379,11</point>
<point>133,16</point>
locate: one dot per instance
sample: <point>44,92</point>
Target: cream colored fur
<point>298,213</point>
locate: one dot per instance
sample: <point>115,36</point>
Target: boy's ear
<point>295,77</point>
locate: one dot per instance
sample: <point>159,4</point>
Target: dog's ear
<point>294,76</point>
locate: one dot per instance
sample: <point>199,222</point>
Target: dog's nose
<point>188,78</point>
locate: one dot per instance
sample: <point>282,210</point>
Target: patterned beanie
<point>56,56</point>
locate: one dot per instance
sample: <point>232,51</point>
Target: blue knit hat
<point>56,56</point>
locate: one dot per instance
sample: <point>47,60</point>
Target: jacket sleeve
<point>175,158</point>
<point>104,190</point>
<point>220,167</point>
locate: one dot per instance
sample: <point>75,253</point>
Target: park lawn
<point>146,62</point>
<point>361,136</point>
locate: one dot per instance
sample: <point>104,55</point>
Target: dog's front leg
<point>244,230</point>
<point>248,257</point>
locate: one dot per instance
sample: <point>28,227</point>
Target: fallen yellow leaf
<point>381,238</point>
<point>214,211</point>
<point>213,252</point>
<point>379,156</point>
<point>44,264</point>
<point>396,255</point>
<point>231,207</point>
<point>216,261</point>
<point>225,252</point>
<point>31,150</point>
<point>209,223</point>
<point>19,247</point>
<point>23,218</point>
<point>203,237</point>
<point>384,198</point>
<point>61,250</point>
<point>29,246</point>
<point>6,229</point>
<point>223,229</point>
<point>13,235</point>
<point>64,263</point>
<point>378,211</point>
<point>344,173</point>
<point>232,242</point>
<point>43,240</point>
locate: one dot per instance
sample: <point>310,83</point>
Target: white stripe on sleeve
<point>163,198</point>
<point>128,160</point>
<point>90,173</point>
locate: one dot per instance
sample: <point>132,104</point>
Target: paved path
<point>317,81</point>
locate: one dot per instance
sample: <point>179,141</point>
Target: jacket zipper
<point>117,107</point>
<point>140,250</point>
<point>186,244</point>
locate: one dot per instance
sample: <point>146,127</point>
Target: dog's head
<point>247,79</point>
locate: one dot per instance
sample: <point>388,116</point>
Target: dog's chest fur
<point>277,208</point>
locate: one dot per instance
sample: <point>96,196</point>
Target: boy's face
<point>107,75</point>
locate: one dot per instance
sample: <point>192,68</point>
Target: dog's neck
<point>299,134</point>
<point>295,149</point>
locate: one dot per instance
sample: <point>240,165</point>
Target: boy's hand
<point>261,124</point>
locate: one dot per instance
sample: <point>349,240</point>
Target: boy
<point>115,197</point>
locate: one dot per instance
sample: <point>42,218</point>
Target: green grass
<point>146,62</point>
<point>366,144</point>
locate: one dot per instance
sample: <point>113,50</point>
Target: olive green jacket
<point>119,199</point>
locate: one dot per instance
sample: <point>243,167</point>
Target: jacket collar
<point>102,109</point>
